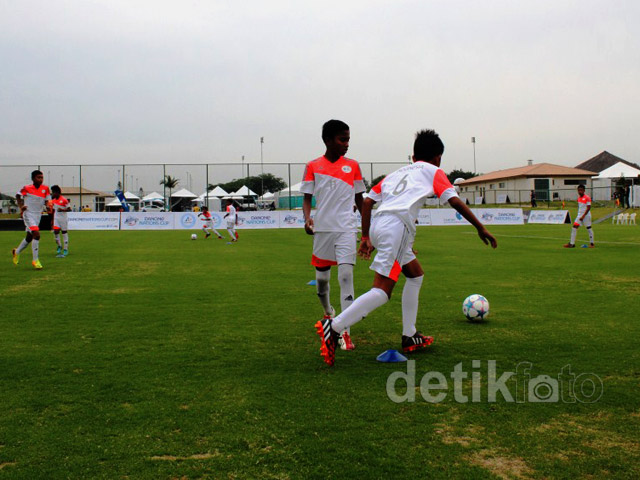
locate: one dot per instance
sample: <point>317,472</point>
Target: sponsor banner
<point>549,216</point>
<point>147,221</point>
<point>291,219</point>
<point>259,219</point>
<point>93,220</point>
<point>488,216</point>
<point>424,216</point>
<point>189,220</point>
<point>500,216</point>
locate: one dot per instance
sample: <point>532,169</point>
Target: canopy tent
<point>131,196</point>
<point>268,196</point>
<point>245,191</point>
<point>184,193</point>
<point>152,196</point>
<point>295,190</point>
<point>217,192</point>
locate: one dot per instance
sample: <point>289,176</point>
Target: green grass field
<point>146,355</point>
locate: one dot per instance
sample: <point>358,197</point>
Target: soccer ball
<point>475,307</point>
<point>194,236</point>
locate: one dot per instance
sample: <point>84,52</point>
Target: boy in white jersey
<point>60,209</point>
<point>32,199</point>
<point>207,223</point>
<point>336,182</point>
<point>401,194</point>
<point>583,218</point>
<point>232,220</point>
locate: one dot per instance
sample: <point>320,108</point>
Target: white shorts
<point>586,222</point>
<point>31,221</point>
<point>393,242</point>
<point>60,223</point>
<point>333,248</point>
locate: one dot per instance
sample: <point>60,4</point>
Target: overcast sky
<point>137,81</point>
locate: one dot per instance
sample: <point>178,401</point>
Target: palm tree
<point>169,182</point>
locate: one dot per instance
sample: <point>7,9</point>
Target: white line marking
<point>554,238</point>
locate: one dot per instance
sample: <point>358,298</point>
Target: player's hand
<point>487,238</point>
<point>308,227</point>
<point>23,208</point>
<point>365,248</point>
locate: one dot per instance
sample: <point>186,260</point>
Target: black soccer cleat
<point>415,342</point>
<point>329,340</point>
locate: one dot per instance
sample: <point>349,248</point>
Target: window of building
<point>501,185</point>
<point>570,181</point>
<point>492,186</point>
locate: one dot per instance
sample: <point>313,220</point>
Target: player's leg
<point>574,233</point>
<point>206,231</point>
<point>411,338</point>
<point>345,248</point>
<point>217,233</point>
<point>323,258</point>
<point>23,244</point>
<point>35,248</point>
<point>587,223</point>
<point>231,230</point>
<point>56,236</point>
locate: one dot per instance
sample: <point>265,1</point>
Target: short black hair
<point>333,127</point>
<point>55,189</point>
<point>204,207</point>
<point>427,145</point>
<point>582,186</point>
<point>34,173</point>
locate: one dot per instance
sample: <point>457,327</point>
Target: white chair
<point>632,219</point>
<point>617,219</point>
<point>625,219</point>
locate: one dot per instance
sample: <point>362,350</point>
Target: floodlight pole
<point>261,169</point>
<point>473,140</point>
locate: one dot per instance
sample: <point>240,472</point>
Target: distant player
<point>232,220</point>
<point>32,199</point>
<point>583,218</point>
<point>336,182</point>
<point>392,233</point>
<point>60,209</point>
<point>207,223</point>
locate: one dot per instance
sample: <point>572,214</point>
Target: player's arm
<point>20,203</point>
<point>466,212</point>
<point>306,211</point>
<point>359,201</point>
<point>585,212</point>
<point>365,243</point>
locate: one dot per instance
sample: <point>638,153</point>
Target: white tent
<point>152,196</point>
<point>114,203</point>
<point>268,196</point>
<point>217,192</point>
<point>619,170</point>
<point>131,196</point>
<point>184,193</point>
<point>244,191</point>
<point>295,190</point>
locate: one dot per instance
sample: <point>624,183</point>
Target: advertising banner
<point>190,220</point>
<point>499,216</point>
<point>549,216</point>
<point>446,216</point>
<point>424,216</point>
<point>147,221</point>
<point>291,219</point>
<point>270,219</point>
<point>94,220</point>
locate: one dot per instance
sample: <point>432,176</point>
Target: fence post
<point>80,183</point>
<point>289,167</point>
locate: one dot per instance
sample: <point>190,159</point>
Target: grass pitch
<point>148,355</point>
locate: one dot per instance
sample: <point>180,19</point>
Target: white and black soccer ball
<point>194,236</point>
<point>475,307</point>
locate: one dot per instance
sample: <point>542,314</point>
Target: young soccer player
<point>32,199</point>
<point>392,232</point>
<point>207,223</point>
<point>232,220</point>
<point>336,182</point>
<point>584,218</point>
<point>60,209</point>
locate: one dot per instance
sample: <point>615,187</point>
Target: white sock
<point>574,233</point>
<point>57,237</point>
<point>323,289</point>
<point>345,278</point>
<point>410,297</point>
<point>205,230</point>
<point>360,308</point>
<point>232,233</point>
<point>65,238</point>
<point>35,245</point>
<point>217,233</point>
<point>590,230</point>
<point>22,245</point>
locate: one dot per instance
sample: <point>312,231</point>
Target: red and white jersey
<point>60,206</point>
<point>35,198</point>
<point>205,216</point>
<point>583,202</point>
<point>231,211</point>
<point>334,185</point>
<point>404,191</point>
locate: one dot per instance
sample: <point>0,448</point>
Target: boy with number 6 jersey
<point>392,233</point>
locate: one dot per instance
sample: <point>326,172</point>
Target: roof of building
<point>85,191</point>
<point>602,161</point>
<point>529,171</point>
